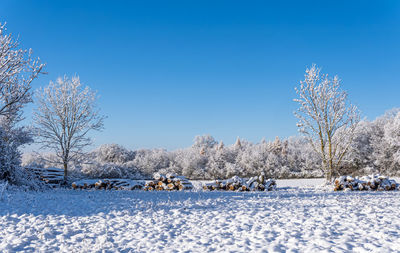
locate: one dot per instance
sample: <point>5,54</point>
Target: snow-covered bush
<point>11,139</point>
<point>376,145</point>
<point>109,170</point>
<point>111,161</point>
<point>113,153</point>
<point>42,160</point>
<point>192,162</point>
<point>149,161</point>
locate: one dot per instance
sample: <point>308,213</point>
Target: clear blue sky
<point>169,70</point>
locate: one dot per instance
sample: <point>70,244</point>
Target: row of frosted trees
<point>205,159</point>
<point>375,149</point>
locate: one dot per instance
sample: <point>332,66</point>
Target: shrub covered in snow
<point>110,170</point>
<point>111,161</point>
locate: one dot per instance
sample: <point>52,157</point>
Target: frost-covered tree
<point>204,141</point>
<point>113,153</point>
<point>301,159</point>
<point>238,143</point>
<point>192,164</point>
<point>17,71</point>
<point>385,141</point>
<point>360,153</point>
<point>149,161</point>
<point>221,162</point>
<point>110,161</point>
<point>66,112</point>
<point>326,118</point>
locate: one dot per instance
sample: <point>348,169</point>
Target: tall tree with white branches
<point>66,112</point>
<point>326,118</point>
<point>17,71</point>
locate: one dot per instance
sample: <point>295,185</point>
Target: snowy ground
<point>299,219</point>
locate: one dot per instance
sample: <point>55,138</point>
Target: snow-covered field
<point>292,219</point>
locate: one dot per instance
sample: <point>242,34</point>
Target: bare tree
<point>65,114</point>
<point>326,118</point>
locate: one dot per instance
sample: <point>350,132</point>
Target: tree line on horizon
<point>375,149</point>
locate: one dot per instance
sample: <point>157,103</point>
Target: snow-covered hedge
<point>110,170</point>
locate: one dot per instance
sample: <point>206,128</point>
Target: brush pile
<point>168,182</point>
<point>365,183</point>
<point>240,184</point>
<point>108,184</point>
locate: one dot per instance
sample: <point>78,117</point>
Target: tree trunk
<point>65,172</point>
<point>330,168</point>
<point>329,175</point>
<point>327,171</point>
